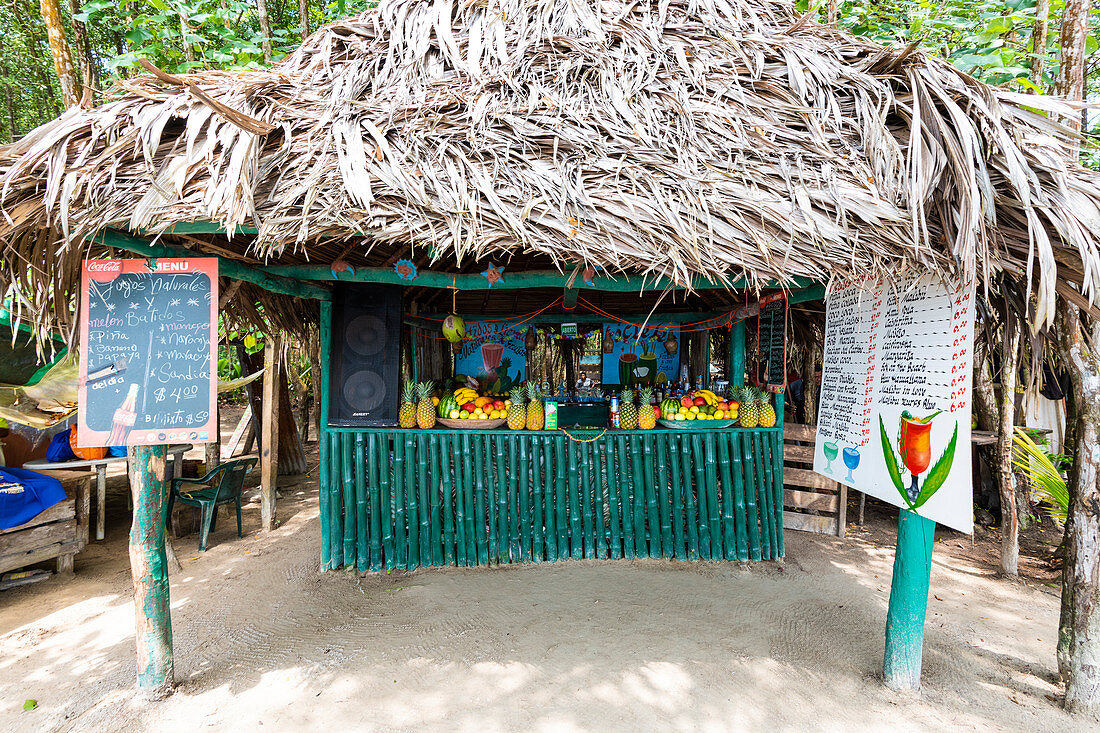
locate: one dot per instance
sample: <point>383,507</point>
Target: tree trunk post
<point>269,444</point>
<point>214,447</point>
<point>149,568</point>
<point>908,602</point>
<point>1010,527</point>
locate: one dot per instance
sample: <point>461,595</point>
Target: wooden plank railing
<point>411,498</point>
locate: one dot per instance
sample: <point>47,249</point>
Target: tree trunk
<point>303,16</point>
<point>1071,74</point>
<point>985,399</point>
<point>1081,642</point>
<point>269,445</point>
<point>265,29</point>
<point>1039,40</point>
<point>188,49</point>
<point>1010,529</point>
<point>315,378</point>
<point>84,54</point>
<point>9,100</point>
<point>809,382</point>
<point>832,12</point>
<point>59,48</point>
<point>292,456</point>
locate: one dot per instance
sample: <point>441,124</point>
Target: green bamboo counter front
<point>410,498</point>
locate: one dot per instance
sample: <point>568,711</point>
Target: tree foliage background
<point>990,39</point>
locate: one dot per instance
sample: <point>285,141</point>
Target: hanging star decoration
<point>405,269</point>
<point>589,273</point>
<point>494,274</point>
<point>339,266</point>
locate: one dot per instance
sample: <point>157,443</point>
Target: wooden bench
<point>811,502</point>
<point>59,532</point>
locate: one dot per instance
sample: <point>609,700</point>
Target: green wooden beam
<point>908,601</point>
<point>655,320</point>
<point>206,227</point>
<point>511,281</point>
<point>737,354</point>
<point>804,295</point>
<point>569,298</point>
<point>228,268</point>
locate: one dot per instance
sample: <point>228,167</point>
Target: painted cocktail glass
<point>916,450</point>
<point>647,369</point>
<point>627,361</point>
<point>831,451</point>
<point>491,354</point>
<point>851,460</point>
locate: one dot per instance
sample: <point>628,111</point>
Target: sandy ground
<point>263,641</point>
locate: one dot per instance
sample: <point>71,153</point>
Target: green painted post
<point>698,462</point>
<point>434,489</point>
<point>588,517</point>
<point>638,482</point>
<point>653,519</point>
<point>561,496</point>
<point>689,498</point>
<point>729,535</point>
<point>538,548</point>
<point>714,511</point>
<point>361,511</point>
<point>549,500</point>
<point>460,503</point>
<point>502,500</point>
<point>576,534</point>
<point>673,444</point>
<point>468,501</point>
<point>613,506</point>
<point>777,498</point>
<point>480,503</point>
<point>149,570</point>
<point>322,437</point>
<point>513,498</point>
<point>737,353</point>
<point>598,464</point>
<point>485,446</point>
<point>447,477</point>
<point>336,500</point>
<point>625,483</point>
<point>347,472</point>
<point>378,463</point>
<point>400,536</point>
<point>524,498</point>
<point>908,601</point>
<point>764,495</point>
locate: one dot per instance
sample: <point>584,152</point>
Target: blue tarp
<point>26,494</point>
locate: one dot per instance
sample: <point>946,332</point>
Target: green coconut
<point>454,329</point>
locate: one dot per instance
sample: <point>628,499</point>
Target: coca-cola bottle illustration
<point>124,418</point>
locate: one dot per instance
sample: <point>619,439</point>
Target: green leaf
<point>939,473</point>
<point>249,341</point>
<point>137,36</point>
<point>30,704</point>
<point>891,460</point>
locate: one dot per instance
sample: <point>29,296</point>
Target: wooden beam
<point>737,354</point>
<point>511,281</point>
<point>228,268</point>
<point>323,433</point>
<point>149,570</point>
<point>269,446</point>
<point>908,602</point>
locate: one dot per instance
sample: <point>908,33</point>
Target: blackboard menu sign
<point>148,343</point>
<point>773,339</point>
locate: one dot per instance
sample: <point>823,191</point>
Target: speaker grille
<point>365,360</point>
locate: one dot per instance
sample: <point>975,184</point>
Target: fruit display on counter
<point>702,404</point>
<point>466,404</point>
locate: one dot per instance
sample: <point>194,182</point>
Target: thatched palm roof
<point>723,138</point>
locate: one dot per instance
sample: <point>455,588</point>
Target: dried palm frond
<point>723,138</point>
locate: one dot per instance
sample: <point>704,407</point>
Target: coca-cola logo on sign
<point>104,266</point>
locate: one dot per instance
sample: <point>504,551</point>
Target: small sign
<point>772,327</point>
<point>894,414</point>
<point>493,352</point>
<point>638,356</point>
<point>148,350</point>
<point>569,330</point>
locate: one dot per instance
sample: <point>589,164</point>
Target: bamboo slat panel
<point>414,498</point>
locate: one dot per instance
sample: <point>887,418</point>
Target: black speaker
<point>366,355</point>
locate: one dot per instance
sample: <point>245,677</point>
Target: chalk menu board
<point>894,410</point>
<point>772,328</point>
<point>148,352</point>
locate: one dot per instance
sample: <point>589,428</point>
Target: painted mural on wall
<point>640,359</point>
<point>494,354</point>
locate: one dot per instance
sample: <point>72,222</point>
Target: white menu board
<point>894,411</point>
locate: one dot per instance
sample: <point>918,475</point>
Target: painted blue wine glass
<point>851,460</point>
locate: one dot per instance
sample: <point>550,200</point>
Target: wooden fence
<point>410,498</point>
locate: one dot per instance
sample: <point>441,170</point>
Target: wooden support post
<point>908,602</point>
<point>149,568</point>
<point>269,446</point>
<point>214,447</point>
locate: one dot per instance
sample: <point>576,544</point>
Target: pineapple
<point>425,410</point>
<point>406,415</point>
<point>628,411</point>
<point>749,412</point>
<point>647,420</point>
<point>517,412</point>
<point>767,411</point>
<point>536,413</point>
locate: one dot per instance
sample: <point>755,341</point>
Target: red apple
<point>498,405</point>
<point>686,401</point>
<point>700,401</point>
<point>656,410</point>
<point>469,407</point>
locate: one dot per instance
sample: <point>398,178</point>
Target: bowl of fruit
<point>700,410</point>
<point>465,409</point>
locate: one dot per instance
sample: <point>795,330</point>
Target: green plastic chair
<point>222,485</point>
